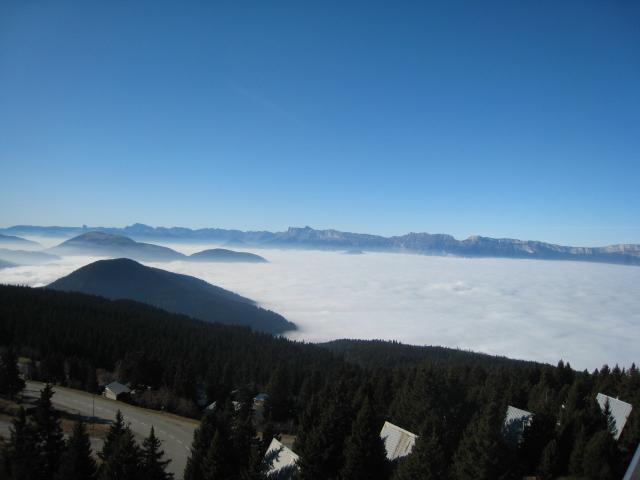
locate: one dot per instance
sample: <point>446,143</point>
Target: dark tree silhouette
<point>77,462</point>
<point>49,438</point>
<point>153,465</point>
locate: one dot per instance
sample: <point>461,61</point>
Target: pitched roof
<point>280,458</point>
<point>515,421</point>
<point>633,471</point>
<point>517,415</point>
<point>398,442</point>
<point>620,411</point>
<point>117,388</point>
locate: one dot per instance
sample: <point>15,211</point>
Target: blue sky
<point>499,118</point>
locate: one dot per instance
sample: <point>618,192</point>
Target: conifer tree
<point>121,455</point>
<point>245,444</point>
<point>216,465</point>
<point>116,430</point>
<point>22,449</point>
<point>153,466</point>
<point>481,450</point>
<point>49,437</point>
<point>599,458</point>
<point>276,406</point>
<point>124,461</point>
<point>205,458</point>
<point>199,447</point>
<point>10,381</point>
<point>365,456</point>
<point>321,453</point>
<point>549,461</point>
<point>427,460</point>
<point>77,462</point>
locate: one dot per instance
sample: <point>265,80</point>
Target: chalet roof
<point>280,458</point>
<point>620,411</point>
<point>117,388</point>
<point>516,415</point>
<point>515,421</point>
<point>633,471</point>
<point>398,442</point>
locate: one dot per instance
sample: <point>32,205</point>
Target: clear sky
<point>500,118</point>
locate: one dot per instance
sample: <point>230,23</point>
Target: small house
<point>115,390</point>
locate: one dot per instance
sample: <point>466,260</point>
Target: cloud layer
<point>587,314</point>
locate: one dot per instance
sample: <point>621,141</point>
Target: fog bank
<point>587,314</point>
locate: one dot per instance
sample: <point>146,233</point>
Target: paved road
<point>175,432</point>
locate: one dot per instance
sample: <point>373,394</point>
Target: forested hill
<point>456,404</point>
<point>391,354</point>
<point>126,279</point>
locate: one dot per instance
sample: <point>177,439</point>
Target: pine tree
<point>277,406</point>
<point>153,467</point>
<point>216,463</point>
<point>124,461</point>
<point>481,450</point>
<point>321,453</point>
<point>77,462</point>
<point>10,381</point>
<point>245,444</point>
<point>116,430</point>
<point>48,434</point>
<point>121,455</point>
<point>199,447</point>
<point>547,468</point>
<point>365,456</point>
<point>427,460</point>
<point>599,457</point>
<point>21,449</point>
<point>205,458</point>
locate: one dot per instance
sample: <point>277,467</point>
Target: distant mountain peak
<point>99,243</point>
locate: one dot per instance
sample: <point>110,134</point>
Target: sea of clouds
<point>586,314</point>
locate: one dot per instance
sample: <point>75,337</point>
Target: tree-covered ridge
<point>391,354</point>
<point>124,278</point>
<point>456,403</point>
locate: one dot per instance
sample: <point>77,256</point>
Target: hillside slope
<point>126,279</point>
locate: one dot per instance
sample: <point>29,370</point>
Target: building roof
<point>117,388</point>
<point>633,471</point>
<point>280,458</point>
<point>620,411</point>
<point>398,442</point>
<point>515,421</point>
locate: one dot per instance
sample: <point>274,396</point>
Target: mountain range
<point>98,243</point>
<point>309,238</point>
<point>26,257</point>
<point>126,279</point>
<point>11,241</point>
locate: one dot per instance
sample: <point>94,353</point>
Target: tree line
<point>334,398</point>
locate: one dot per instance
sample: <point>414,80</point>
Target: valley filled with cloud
<point>586,314</point>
